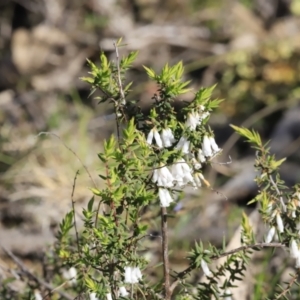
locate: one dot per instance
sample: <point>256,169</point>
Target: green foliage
<point>147,149</point>
<point>146,165</point>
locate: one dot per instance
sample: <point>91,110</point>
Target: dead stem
<point>165,251</point>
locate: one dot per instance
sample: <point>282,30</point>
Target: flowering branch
<point>183,273</point>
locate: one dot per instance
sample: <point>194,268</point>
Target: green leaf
<point>150,72</point>
<point>275,164</point>
<point>90,283</point>
<point>119,41</point>
<point>252,136</point>
<point>91,204</point>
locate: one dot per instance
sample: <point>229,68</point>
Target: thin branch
<point>86,169</point>
<point>165,251</point>
<point>224,163</point>
<point>181,275</point>
<point>288,287</point>
<point>38,280</point>
<point>278,193</point>
<point>73,208</point>
<point>123,101</point>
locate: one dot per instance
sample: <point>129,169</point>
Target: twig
<point>86,169</point>
<point>288,287</point>
<point>123,101</point>
<point>73,208</point>
<point>225,163</point>
<point>39,281</point>
<point>216,257</point>
<point>165,243</point>
<point>278,193</point>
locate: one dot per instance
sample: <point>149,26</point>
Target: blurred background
<point>251,49</point>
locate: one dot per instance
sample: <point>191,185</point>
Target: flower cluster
<point>209,146</point>
<point>164,140</point>
<point>195,118</point>
<point>180,173</point>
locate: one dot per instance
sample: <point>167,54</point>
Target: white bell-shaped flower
<point>163,177</point>
<point>270,235</point>
<point>279,222</point>
<point>203,114</point>
<point>108,296</point>
<point>93,296</point>
<point>205,268</point>
<point>123,292</point>
<point>298,261</point>
<point>201,156</point>
<point>214,145</point>
<point>183,145</point>
<point>193,119</point>
<point>196,164</point>
<point>154,134</point>
<point>209,146</point>
<point>164,197</point>
<point>206,147</point>
<point>132,275</point>
<point>294,251</point>
<point>227,295</point>
<point>167,137</point>
<point>182,173</point>
<point>37,295</point>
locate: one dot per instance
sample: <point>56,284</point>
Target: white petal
<point>108,296</point>
<point>157,138</point>
<point>150,137</point>
<point>192,121</point>
<point>123,292</point>
<point>298,261</point>
<point>127,275</point>
<point>204,115</point>
<point>163,177</point>
<point>227,295</point>
<point>201,157</point>
<point>206,147</point>
<point>196,164</point>
<point>205,268</point>
<point>93,296</point>
<point>270,235</point>
<point>214,145</point>
<point>138,273</point>
<point>294,251</point>
<point>183,145</point>
<point>37,295</point>
<point>176,171</point>
<point>155,176</point>
<point>171,136</point>
<point>164,197</point>
<point>186,147</point>
<point>167,137</point>
<point>181,142</point>
<point>279,222</point>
